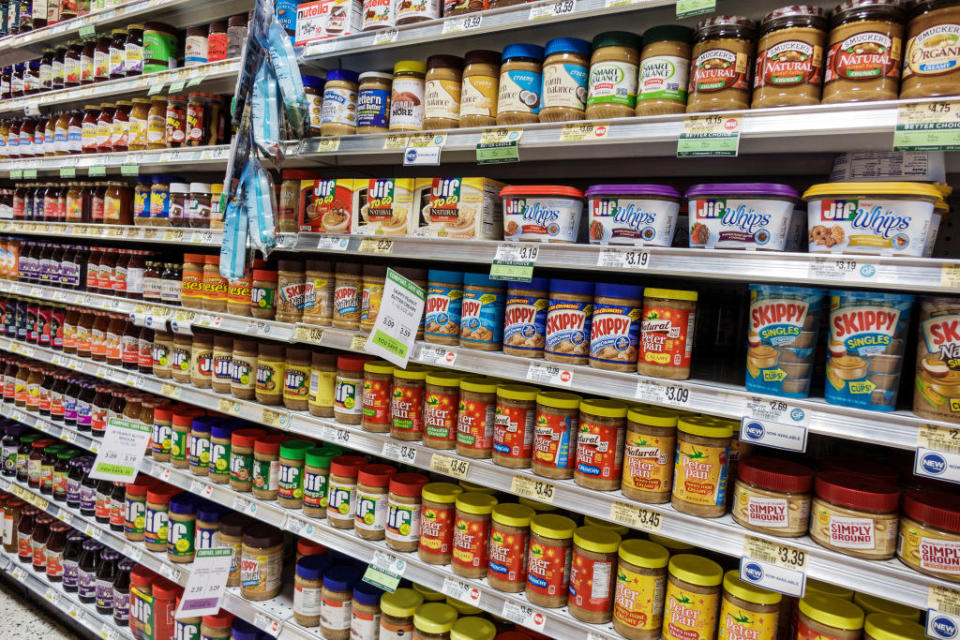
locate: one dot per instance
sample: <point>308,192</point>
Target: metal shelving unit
<point>212,158</point>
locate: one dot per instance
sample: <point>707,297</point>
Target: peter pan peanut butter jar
<point>693,598</point>
<point>827,618</point>
<point>747,611</point>
<point>930,534</point>
<point>638,595</point>
<point>701,466</point>
<point>883,626</point>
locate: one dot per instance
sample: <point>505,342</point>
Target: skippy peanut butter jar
<point>782,339</point>
<point>866,339</point>
<point>937,392</point>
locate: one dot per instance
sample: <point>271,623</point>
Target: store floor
<point>22,619</point>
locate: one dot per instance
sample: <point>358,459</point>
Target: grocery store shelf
<point>211,158</point>
<point>212,77</point>
<point>888,579</point>
<point>115,233</point>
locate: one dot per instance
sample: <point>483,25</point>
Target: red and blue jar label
<point>442,309</point>
<point>525,322</point>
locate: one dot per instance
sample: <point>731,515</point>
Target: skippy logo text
<point>535,212</point>
<point>774,318</point>
<point>743,218</point>
<point>871,217</point>
<point>942,335</point>
<point>863,326</point>
<point>629,216</point>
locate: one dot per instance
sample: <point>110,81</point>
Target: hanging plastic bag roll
<point>233,252</point>
<point>260,198</point>
<point>284,61</point>
<point>265,113</point>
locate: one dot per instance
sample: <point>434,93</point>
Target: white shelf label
<point>524,615</point>
<point>333,434</point>
<point>777,435</point>
<point>437,355</point>
<point>533,488</point>
<point>122,452</point>
<point>551,374</point>
<point>385,36</point>
<point>466,23</point>
<point>207,583</point>
<point>395,329</point>
<point>624,259</point>
<point>461,591</point>
<point>635,516</point>
<point>658,393</point>
<point>333,243</point>
<point>514,261</point>
<point>941,465</point>
<point>841,269</point>
<point>399,452</point>
<point>268,624</point>
<point>943,612</point>
<point>385,571</point>
<point>553,10</point>
<point>774,566</point>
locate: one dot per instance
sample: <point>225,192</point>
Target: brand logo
<point>779,312</point>
<point>942,335</point>
<point>629,215</point>
<point>754,431</point>
<point>933,463</point>
<point>742,217</point>
<point>882,222</point>
<point>535,212</point>
<point>944,627</point>
<point>864,320</point>
<point>752,572</point>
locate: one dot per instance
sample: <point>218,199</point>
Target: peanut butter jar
<point>772,496</point>
<point>701,466</point>
<point>821,616</point>
<point>937,393</point>
<point>555,434</point>
<point>648,455</point>
<point>855,514</point>
<point>639,591</point>
<point>930,534</point>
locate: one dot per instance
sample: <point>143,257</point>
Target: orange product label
<point>806,633</point>
<point>664,336</point>
<point>591,583</point>
<point>83,338</point>
<point>214,287</point>
<point>405,407</point>
<point>600,450</point>
<point>111,345</point>
<point>376,401</point>
<point>191,285</point>
<point>470,543</point>
<point>436,529</point>
<point>548,568</point>
<point>238,291</point>
<point>440,414</point>
<point>98,343</point>
<point>513,431</point>
<point>864,56</point>
<point>20,392</point>
<point>720,69</point>
<point>475,424</point>
<point>648,462</point>
<point>552,442</point>
<point>24,546</point>
<point>508,554</point>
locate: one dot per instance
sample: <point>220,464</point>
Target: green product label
<point>262,297</point>
<point>178,446</point>
<point>241,467</point>
<point>199,451</point>
<point>159,51</point>
<point>265,475</point>
<point>290,482</point>
<point>340,498</point>
<point>219,459</point>
<point>155,525</point>
<point>315,489</point>
<point>181,537</point>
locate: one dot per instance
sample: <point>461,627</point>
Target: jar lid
<point>233,524</point>
<point>342,74</point>
<point>434,617</point>
<point>471,279</point>
<point>597,522</point>
<point>479,384</point>
<point>665,32</point>
<point>375,475</point>
<point>596,539</point>
<point>653,416</point>
<point>163,589</point>
<point>521,392</point>
<point>138,488</point>
<point>873,189</point>
<point>262,536</point>
<point>180,187</point>
<point>462,607</point>
<point>269,444</point>
<point>670,294</point>
<point>616,39</point>
<point>210,512</point>
<point>443,492</point>
<point>445,61</point>
<point>775,474</point>
<point>375,74</point>
<point>316,82</point>
<point>412,372</point>
<point>409,66</point>
<point>604,408</point>
<point>535,284</point>
<point>745,188</point>
<point>559,400</point>
<point>379,367</point>
<point>644,553</point>
<point>347,466</point>
<point>295,449</point>
<point>245,437</point>
<point>243,630</point>
<point>795,10</point>
<point>627,291</point>
<point>857,491</point>
<point>222,431</point>
<point>447,277</point>
<point>873,604</point>
<point>321,456</point>
<point>696,570</point>
<point>513,515</point>
<point>312,567</point>
<point>473,628</point>
<point>722,21</point>
<point>443,378</point>
<point>140,576</point>
<point>479,504</point>
<point>341,578</point>
<point>736,587</point>
<point>471,487</point>
<point>408,485</point>
<point>351,363</point>
<point>850,5</point>
<point>221,619</point>
<point>933,508</point>
<point>827,589</point>
<point>402,603</point>
<point>194,257</point>
<point>521,50</point>
<point>482,56</point>
<point>366,594</point>
<point>263,275</point>
<point>184,504</point>
<point>882,626</point>
<point>541,190</point>
<point>832,612</point>
<point>568,45</point>
<point>550,525</point>
<point>574,287</point>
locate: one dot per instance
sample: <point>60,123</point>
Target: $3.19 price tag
<point>514,262</point>
<point>774,566</point>
<point>624,259</point>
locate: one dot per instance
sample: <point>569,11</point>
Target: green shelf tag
<point>87,31</point>
<point>192,82</point>
<point>155,89</point>
<point>932,126</point>
<point>710,136</point>
<point>30,174</point>
<point>688,8</point>
<point>129,170</point>
<point>176,86</point>
<point>16,174</point>
<point>68,172</point>
<point>97,171</point>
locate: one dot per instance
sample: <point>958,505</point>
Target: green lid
<point>616,39</point>
<point>66,454</point>
<point>321,456</point>
<point>30,437</point>
<point>670,32</point>
<point>295,449</point>
<point>55,447</point>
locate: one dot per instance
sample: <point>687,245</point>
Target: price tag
<point>170,573</point>
<point>129,169</point>
<point>436,355</point>
<point>273,418</point>
<point>938,453</point>
<point>841,269</point>
<point>791,437</point>
<point>636,517</point>
<point>624,259</point>
<point>132,552</point>
<point>207,583</point>
<point>333,243</point>
<point>29,174</point>
<point>51,595</point>
<point>658,393</point>
<point>173,235</point>
<point>32,109</point>
<point>385,571</point>
<point>329,144</point>
<point>169,390</point>
<point>688,8</point>
<point>227,406</point>
<point>311,335</point>
<point>399,452</point>
<point>950,276</point>
<point>550,374</point>
<point>195,81</point>
<point>65,516</point>
<point>501,145</point>
<point>449,466</point>
<point>524,615</point>
<point>461,591</point>
<point>122,451</point>
<point>357,343</point>
<point>385,36</point>
<point>395,141</point>
<point>176,86</point>
<point>581,131</point>
<point>931,126</point>
<point>87,31</point>
<point>943,612</point>
<point>539,490</point>
<point>514,262</point>
<point>466,23</point>
<point>332,434</point>
<point>97,171</point>
<point>68,172</point>
<point>16,174</point>
<point>395,328</point>
<point>376,245</point>
<point>774,566</point>
<point>711,135</point>
<point>268,624</point>
<point>553,10</point>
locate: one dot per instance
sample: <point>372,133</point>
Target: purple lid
<point>632,190</point>
<point>341,578</point>
<point>365,593</point>
<point>743,189</point>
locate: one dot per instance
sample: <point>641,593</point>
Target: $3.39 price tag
<point>774,566</point>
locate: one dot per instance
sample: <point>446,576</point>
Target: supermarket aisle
<point>21,619</point>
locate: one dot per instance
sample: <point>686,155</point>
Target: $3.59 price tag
<point>774,566</point>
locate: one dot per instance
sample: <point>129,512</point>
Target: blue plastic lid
<point>341,578</point>
<point>343,74</point>
<point>210,512</point>
<point>448,277</point>
<point>202,423</point>
<point>522,50</point>
<point>160,178</point>
<point>366,593</point>
<point>34,64</point>
<point>787,290</point>
<point>564,45</point>
<point>619,291</point>
<point>221,430</point>
<point>535,284</point>
<point>575,287</point>
<point>183,503</point>
<point>312,81</point>
<point>243,630</point>
<point>312,567</point>
<point>480,280</point>
<point>880,297</point>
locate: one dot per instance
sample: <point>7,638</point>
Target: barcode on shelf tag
<point>436,355</point>
<point>268,624</point>
<point>449,466</point>
<point>311,335</point>
<point>943,614</point>
<point>659,393</point>
<point>636,517</point>
<point>385,36</point>
<point>773,565</point>
<point>533,488</point>
<point>227,406</point>
<point>399,452</point>
<point>466,23</point>
<point>195,486</point>
<point>524,615</point>
<point>358,343</point>
<point>551,374</point>
<point>460,590</point>
<point>950,276</point>
<point>945,439</point>
<point>624,259</point>
<point>333,434</point>
<point>841,269</point>
<point>243,505</point>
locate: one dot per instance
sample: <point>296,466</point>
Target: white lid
<point>200,187</point>
<point>375,74</point>
<point>179,187</point>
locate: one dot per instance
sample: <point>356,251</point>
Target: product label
<point>508,555</point>
<point>613,82</point>
<point>700,474</point>
<point>436,529</point>
<point>241,466</point>
<point>376,402</point>
<point>373,106</point>
<point>442,100</point>
<point>726,223</point>
<point>265,474</point>
<point>614,333</point>
<point>568,328</point>
<point>406,103</point>
<point>155,526</point>
<point>346,300</point>
<point>663,78</point>
<point>591,583</point>
<point>442,309</point>
<point>345,397</point>
<point>933,51</point>
<point>470,543</point>
<point>181,539</point>
<point>638,599</point>
<point>87,584</point>
<point>306,600</point>
<point>269,377</point>
<point>737,623</point>
<point>525,322</point>
<point>852,533</point>
<point>565,85</point>
<point>479,96</point>
<point>315,490</point>
<point>406,407</point>
<point>520,91</point>
<point>364,626</point>
<point>869,55</point>
<point>403,522</point>
<point>666,336</point>
<point>340,499</point>
<point>339,106</point>
<point>768,512</point>
<point>887,227</point>
<point>633,222</point>
<point>199,444</point>
<point>548,568</point>
<point>133,517</point>
<point>537,219</point>
<point>371,511</point>
<point>133,58</point>
<point>262,297</point>
<point>689,615</point>
<point>788,63</point>
<point>482,317</point>
<point>440,414</point>
<point>243,375</point>
<point>322,387</point>
<point>600,450</point>
<point>720,69</point>
<point>475,421</point>
<point>937,555</point>
<point>513,431</point>
<point>335,614</point>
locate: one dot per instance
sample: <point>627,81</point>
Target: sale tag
<point>122,451</point>
<point>636,517</point>
<point>207,583</point>
<point>524,615</point>
<point>466,23</point>
<point>931,126</point>
<point>29,174</point>
<point>581,131</point>
<point>500,145</point>
<point>533,488</point>
<point>385,571</point>
<point>449,466</point>
<point>514,262</point>
<point>87,31</point>
<point>841,269</point>
<point>551,374</point>
<point>553,10</point>
<point>943,612</point>
<point>395,328</point>
<point>311,335</point>
<point>436,355</point>
<point>400,452</point>
<point>774,566</point>
<point>97,171</point>
<point>688,8</point>
<point>624,259</point>
<point>791,437</point>
<point>710,135</point>
<point>461,591</point>
<point>16,174</point>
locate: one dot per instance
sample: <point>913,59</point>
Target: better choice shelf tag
<point>710,136</point>
<point>385,571</point>
<point>499,145</point>
<point>395,329</point>
<point>774,566</point>
<point>122,451</point>
<point>207,583</point>
<point>931,126</point>
<point>688,8</point>
<point>514,262</point>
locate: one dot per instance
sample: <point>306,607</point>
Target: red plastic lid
<point>352,363</point>
<point>183,415</point>
<point>246,437</point>
<point>162,494</point>
<point>347,466</point>
<point>933,508</point>
<point>375,475</point>
<point>298,174</point>
<point>138,488</point>
<point>857,491</point>
<point>269,444</point>
<point>775,475</point>
<point>541,190</point>
<point>310,548</point>
<point>408,484</point>
<point>163,412</point>
<point>196,258</point>
<point>263,274</point>
<point>163,589</point>
<point>140,576</point>
<point>222,619</point>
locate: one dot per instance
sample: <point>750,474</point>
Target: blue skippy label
<point>442,308</point>
<point>525,322</point>
<point>482,317</point>
<point>614,333</point>
<point>568,328</point>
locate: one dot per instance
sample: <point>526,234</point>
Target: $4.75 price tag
<point>774,566</point>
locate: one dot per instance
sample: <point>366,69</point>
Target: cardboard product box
<point>462,208</point>
<point>387,206</point>
<point>327,19</point>
<point>327,205</point>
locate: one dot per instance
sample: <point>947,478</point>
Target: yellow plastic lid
<point>443,378</point>
<point>428,594</point>
<point>870,189</point>
<point>704,426</point>
<point>644,553</point>
<point>941,206</point>
<point>445,492</point>
<point>406,66</point>
<point>517,392</point>
<point>604,408</point>
<point>559,399</point>
<point>597,522</point>
<point>378,366</point>
<point>670,294</point>
<point>412,372</point>
<point>736,587</point>
<point>550,525</point>
<point>473,628</point>
<point>596,539</point>
<point>478,504</point>
<point>513,515</point>
<point>833,612</point>
<point>539,507</point>
<point>434,617</point>
<point>479,384</point>
<point>696,570</point>
<point>827,589</point>
<point>476,488</point>
<point>873,604</point>
<point>673,545</point>
<point>944,189</point>
<point>402,603</point>
<point>653,416</point>
<point>884,626</point>
<point>463,608</point>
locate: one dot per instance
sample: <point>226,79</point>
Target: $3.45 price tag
<point>636,517</point>
<point>774,566</point>
<point>449,466</point>
<point>532,488</point>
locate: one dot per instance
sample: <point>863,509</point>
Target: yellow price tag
<point>578,132</point>
<point>538,490</point>
<point>782,555</point>
<point>427,140</point>
<point>943,599</point>
<point>950,276</point>
<point>358,343</point>
<point>226,406</point>
<point>500,134</point>
<point>395,141</point>
<point>173,235</point>
<point>312,335</point>
<point>272,418</point>
<point>169,390</point>
<point>376,245</point>
<point>327,145</point>
<point>635,517</point>
<point>944,439</point>
<point>449,466</point>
